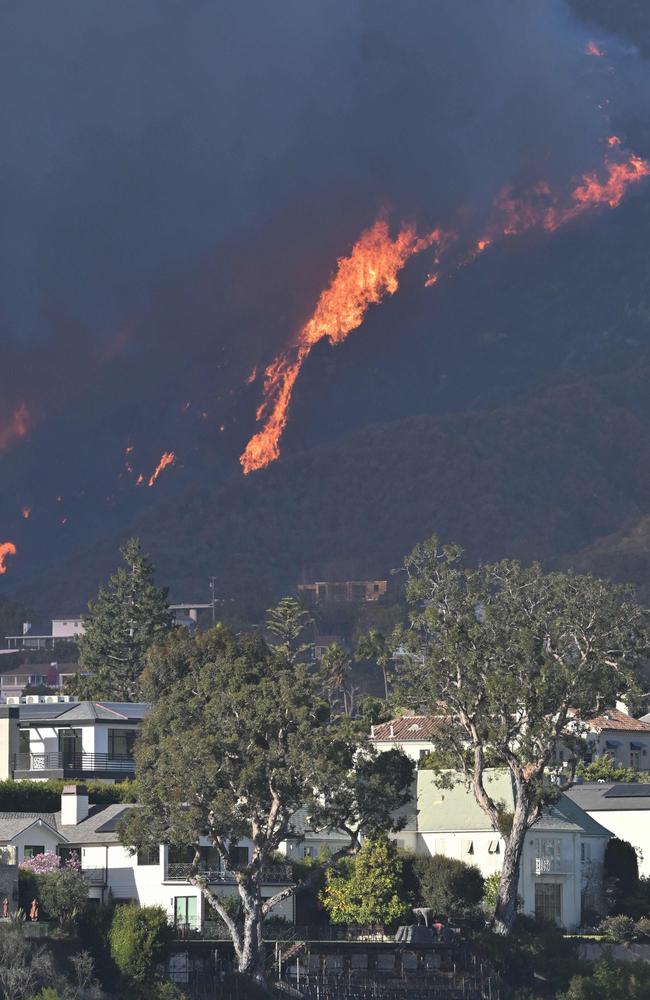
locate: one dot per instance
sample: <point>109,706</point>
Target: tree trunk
<point>252,959</point>
<point>506,909</point>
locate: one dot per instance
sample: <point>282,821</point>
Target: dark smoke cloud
<point>180,175</point>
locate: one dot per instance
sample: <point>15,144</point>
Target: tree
<point>336,667</point>
<point>24,967</point>
<point>611,980</point>
<point>369,888</point>
<point>373,646</point>
<point>621,869</point>
<point>287,622</point>
<point>238,741</point>
<point>129,615</point>
<point>513,658</point>
<point>448,886</point>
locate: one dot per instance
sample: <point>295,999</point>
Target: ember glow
<point>6,549</point>
<point>16,427</point>
<point>26,512</point>
<point>592,49</point>
<point>362,279</point>
<point>168,458</point>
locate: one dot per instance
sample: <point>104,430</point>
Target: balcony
<point>72,765</point>
<point>550,866</point>
<point>271,875</point>
<point>94,876</point>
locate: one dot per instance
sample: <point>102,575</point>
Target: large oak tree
<point>513,658</point>
<point>240,741</point>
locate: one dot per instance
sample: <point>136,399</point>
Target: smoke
<point>180,180</point>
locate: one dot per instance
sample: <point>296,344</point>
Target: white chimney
<point>27,627</point>
<point>74,804</point>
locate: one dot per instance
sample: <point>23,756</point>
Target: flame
<point>6,549</point>
<point>26,512</point>
<point>251,378</point>
<point>17,427</point>
<point>139,481</point>
<point>168,458</point>
<point>362,279</point>
<point>613,140</point>
<point>592,49</point>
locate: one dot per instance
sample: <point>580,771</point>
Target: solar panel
<point>628,791</point>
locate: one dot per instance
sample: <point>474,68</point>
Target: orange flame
<point>361,280</point>
<point>613,140</point>
<point>26,512</point>
<point>139,481</point>
<point>252,376</point>
<point>592,49</point>
<point>6,549</point>
<point>17,427</point>
<point>168,458</point>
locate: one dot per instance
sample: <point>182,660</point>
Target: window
<point>238,855</point>
<point>467,847</point>
<point>149,855</point>
<point>494,847</point>
<point>181,855</point>
<point>68,854</point>
<point>185,911</point>
<point>31,850</point>
<point>23,741</point>
<point>635,759</point>
<point>548,901</point>
<point>70,746</point>
<point>121,742</point>
<point>308,852</point>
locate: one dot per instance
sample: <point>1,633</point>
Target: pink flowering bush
<point>41,864</point>
<point>44,864</point>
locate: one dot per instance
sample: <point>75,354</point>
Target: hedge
<point>45,796</point>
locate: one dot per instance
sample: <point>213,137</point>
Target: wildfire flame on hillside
<point>16,427</point>
<point>592,49</point>
<point>6,549</point>
<point>371,271</point>
<point>362,279</point>
<point>26,512</point>
<point>168,458</point>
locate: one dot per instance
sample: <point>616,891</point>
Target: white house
<point>150,878</point>
<point>414,734</point>
<point>623,809</point>
<point>53,737</point>
<point>617,735</point>
<point>561,868</point>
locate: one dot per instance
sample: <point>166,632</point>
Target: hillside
<point>547,475</point>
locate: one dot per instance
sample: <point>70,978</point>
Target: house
<point>39,637</point>
<point>308,843</point>
<point>351,591</point>
<point>323,642</point>
<point>53,737</point>
<point>562,861</point>
<point>15,679</point>
<point>155,877</point>
<point>414,734</point>
<point>617,735</point>
<point>622,808</point>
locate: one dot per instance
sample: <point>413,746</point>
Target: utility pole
<point>214,617</point>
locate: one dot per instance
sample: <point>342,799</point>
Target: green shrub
<point>369,888</point>
<point>621,872</point>
<point>137,938</point>
<point>45,796</point>
<point>618,929</point>
<point>611,980</point>
<point>448,886</point>
<point>491,891</point>
<point>642,929</point>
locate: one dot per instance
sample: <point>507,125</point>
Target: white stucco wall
<point>632,825</point>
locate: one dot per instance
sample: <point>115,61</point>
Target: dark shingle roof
<point>595,796</point>
<point>100,827</point>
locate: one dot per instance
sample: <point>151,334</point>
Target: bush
<point>619,929</point>
<point>534,948</point>
<point>369,888</point>
<point>448,886</point>
<point>62,895</point>
<point>45,796</point>
<point>137,938</point>
<point>642,929</point>
<point>610,980</point>
<point>491,891</point>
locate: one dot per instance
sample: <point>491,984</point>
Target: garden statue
<point>33,913</point>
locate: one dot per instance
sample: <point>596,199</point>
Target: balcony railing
<point>73,762</point>
<point>273,874</point>
<point>550,866</point>
<point>94,876</point>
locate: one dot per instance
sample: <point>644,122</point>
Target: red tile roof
<point>613,718</point>
<point>412,728</point>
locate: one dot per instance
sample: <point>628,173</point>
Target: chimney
<point>27,627</point>
<point>622,707</point>
<point>74,804</point>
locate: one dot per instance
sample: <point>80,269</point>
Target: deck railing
<point>273,874</point>
<point>73,762</point>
